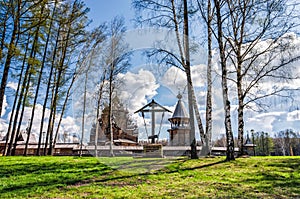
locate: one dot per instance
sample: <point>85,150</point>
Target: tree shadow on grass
<point>25,179</point>
<point>22,179</point>
<point>145,164</point>
<point>42,168</point>
<point>167,169</point>
<point>282,177</point>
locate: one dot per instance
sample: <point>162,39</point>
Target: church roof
<point>180,111</point>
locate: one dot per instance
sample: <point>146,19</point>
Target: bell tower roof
<point>180,111</point>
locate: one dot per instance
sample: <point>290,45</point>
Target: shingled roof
<point>180,111</point>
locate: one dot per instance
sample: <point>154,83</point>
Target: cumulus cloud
<point>273,122</point>
<point>3,128</point>
<point>4,106</point>
<point>68,123</point>
<point>174,79</point>
<point>264,121</point>
<point>137,88</point>
<point>293,116</point>
<point>12,85</point>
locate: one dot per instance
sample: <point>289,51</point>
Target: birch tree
<point>207,12</point>
<point>219,4</point>
<point>116,60</point>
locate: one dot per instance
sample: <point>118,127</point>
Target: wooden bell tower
<point>180,125</point>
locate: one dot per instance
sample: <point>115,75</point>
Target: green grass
<point>73,177</point>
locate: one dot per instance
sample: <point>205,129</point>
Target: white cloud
<point>174,79</point>
<point>12,85</point>
<point>4,106</point>
<point>3,127</point>
<point>264,122</point>
<point>294,116</point>
<point>68,123</point>
<point>137,88</point>
<point>273,122</point>
<point>199,75</point>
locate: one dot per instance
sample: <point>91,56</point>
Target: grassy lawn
<point>124,177</point>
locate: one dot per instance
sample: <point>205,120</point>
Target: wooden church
<point>125,132</point>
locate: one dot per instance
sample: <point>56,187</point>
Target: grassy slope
<point>72,177</point>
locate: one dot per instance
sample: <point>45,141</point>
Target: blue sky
<point>104,10</point>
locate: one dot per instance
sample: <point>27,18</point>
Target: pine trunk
<point>60,73</point>
<point>63,109</point>
<point>38,83</point>
<point>3,34</point>
<point>9,131</point>
<point>22,112</point>
<point>10,54</point>
<point>40,78</point>
<point>54,101</point>
<point>21,100</point>
<point>47,95</point>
